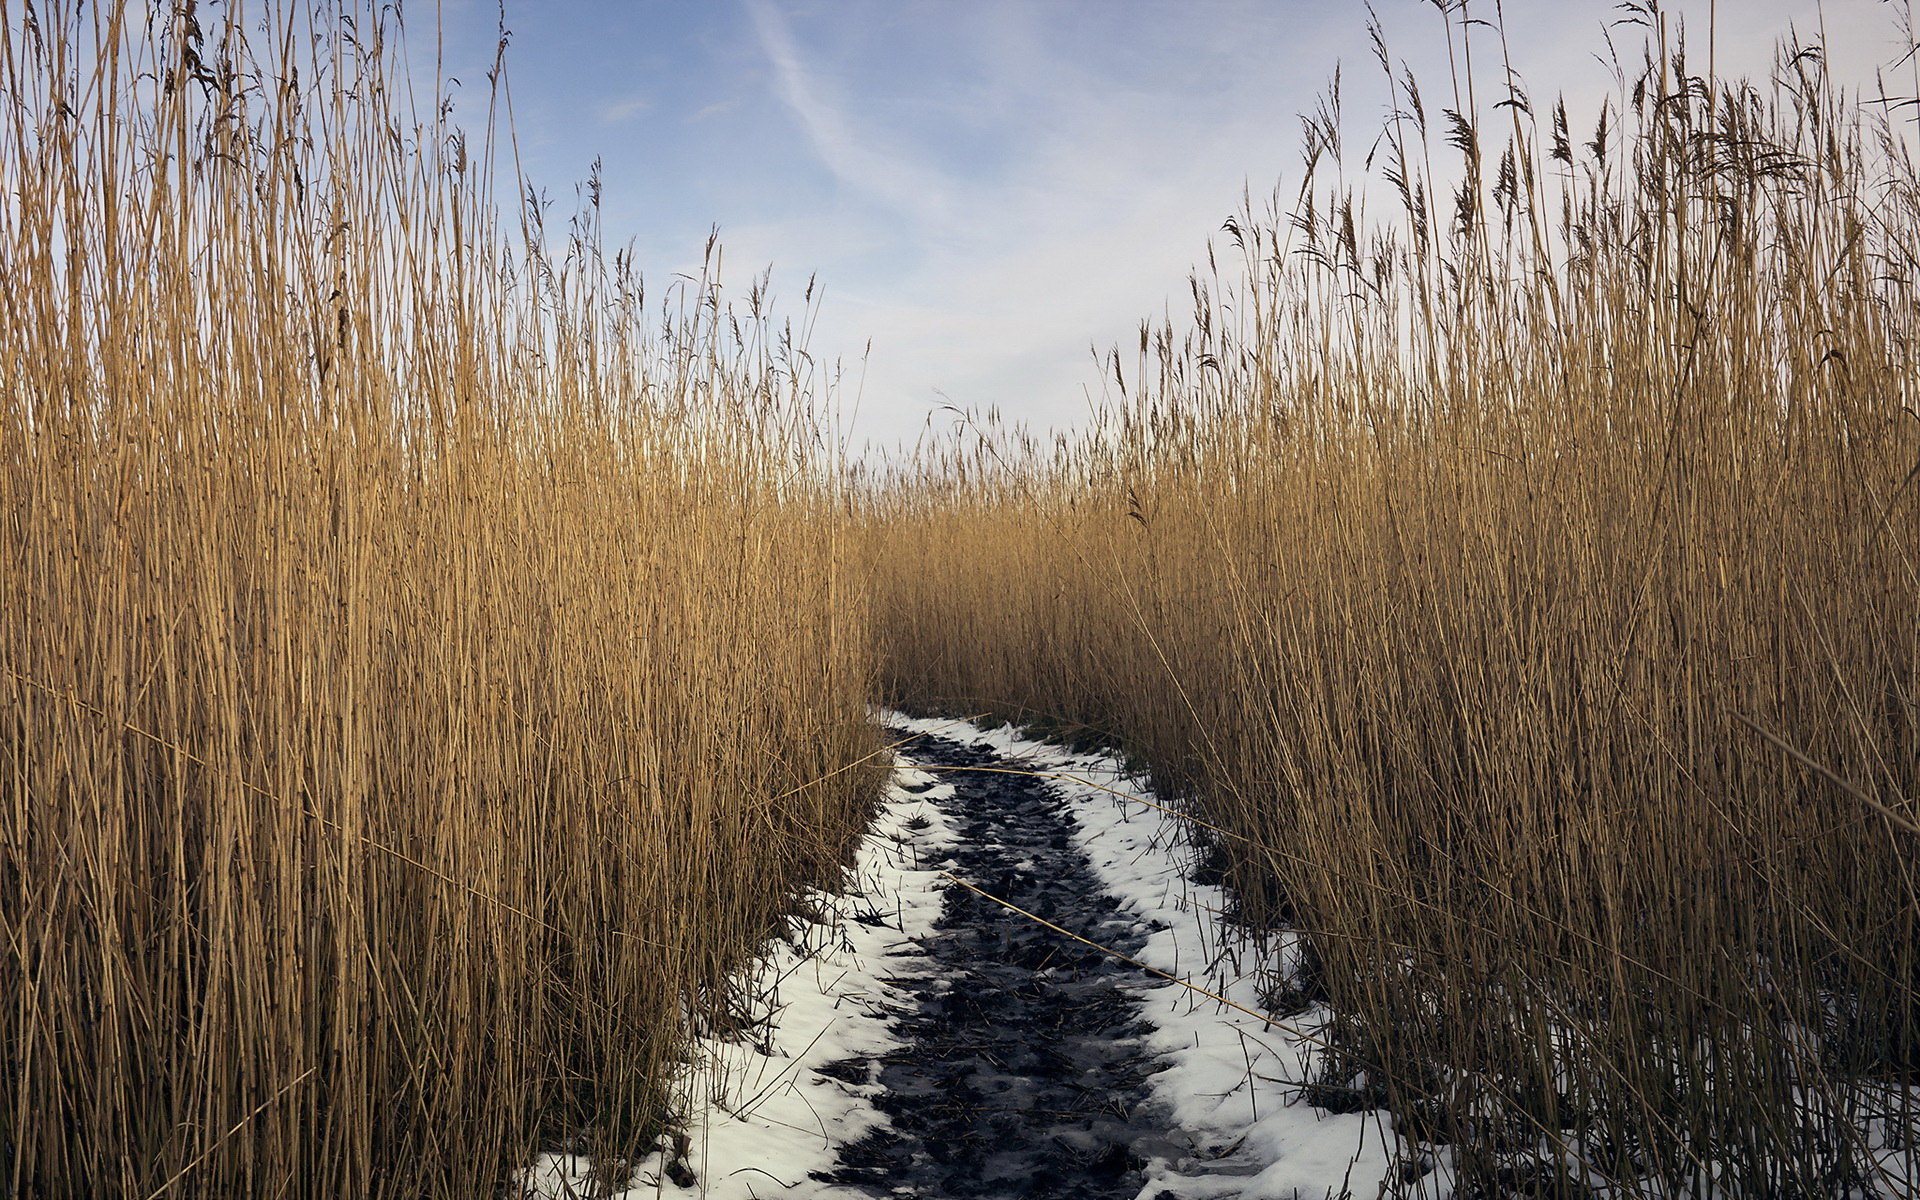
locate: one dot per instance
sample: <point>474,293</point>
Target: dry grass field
<point>429,664</point>
<point>1517,557</point>
<point>426,665</point>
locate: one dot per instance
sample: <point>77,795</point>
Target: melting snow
<point>762,1120</point>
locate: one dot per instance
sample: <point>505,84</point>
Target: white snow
<point>762,1120</point>
<point>1226,1093</point>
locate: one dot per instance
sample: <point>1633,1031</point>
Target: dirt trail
<point>1024,1072</point>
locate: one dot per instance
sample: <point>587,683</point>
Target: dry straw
<point>427,667</point>
<point>1523,571</point>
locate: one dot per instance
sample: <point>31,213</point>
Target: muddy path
<point>1024,1072</point>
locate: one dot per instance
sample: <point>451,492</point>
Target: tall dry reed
<point>424,665</point>
<point>1517,556</point>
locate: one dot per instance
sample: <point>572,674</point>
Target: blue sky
<point>987,188</point>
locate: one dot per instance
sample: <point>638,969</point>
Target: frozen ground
<point>765,1120</point>
<point>1025,1069</point>
<point>1225,1094</point>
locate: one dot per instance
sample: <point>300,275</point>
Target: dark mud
<point>1024,1073</point>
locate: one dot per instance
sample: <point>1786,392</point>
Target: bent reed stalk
<point>427,668</point>
<point>1525,577</point>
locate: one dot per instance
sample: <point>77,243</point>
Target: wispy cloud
<point>1091,189</point>
<point>986,188</point>
<point>855,156</point>
<point>623,110</point>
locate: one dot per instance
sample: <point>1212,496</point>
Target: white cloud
<point>856,156</point>
<point>986,188</point>
<point>614,113</point>
<point>1102,189</point>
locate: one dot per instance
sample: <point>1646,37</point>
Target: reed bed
<point>1515,556</point>
<point>426,664</point>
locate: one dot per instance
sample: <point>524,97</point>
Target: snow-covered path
<point>921,1040</point>
<point>1022,1069</point>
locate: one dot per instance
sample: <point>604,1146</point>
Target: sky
<point>988,190</point>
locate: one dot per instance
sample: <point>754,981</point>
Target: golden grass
<point>419,654</point>
<point>1527,579</point>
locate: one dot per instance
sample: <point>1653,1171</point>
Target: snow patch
<point>762,1119</point>
<point>1230,1091</point>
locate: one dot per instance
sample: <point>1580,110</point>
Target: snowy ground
<point>1226,1093</point>
<point>763,1120</point>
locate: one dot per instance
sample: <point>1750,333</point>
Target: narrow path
<point>1023,1073</point>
